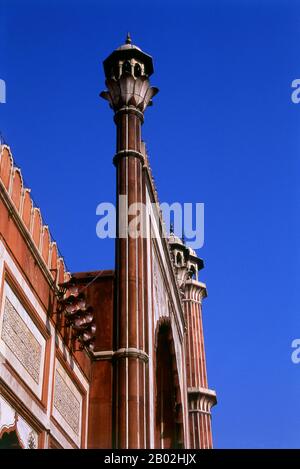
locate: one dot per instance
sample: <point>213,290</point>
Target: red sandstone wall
<point>100,294</point>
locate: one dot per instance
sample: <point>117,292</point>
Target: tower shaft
<point>131,358</point>
<point>129,92</point>
<point>200,398</point>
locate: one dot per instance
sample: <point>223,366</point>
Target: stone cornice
<point>128,153</point>
<point>129,110</point>
<point>205,397</point>
<point>121,353</point>
<point>195,291</point>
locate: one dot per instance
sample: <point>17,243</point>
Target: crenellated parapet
<point>21,207</point>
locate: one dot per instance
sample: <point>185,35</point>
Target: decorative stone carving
<point>127,71</point>
<point>20,340</point>
<point>159,291</point>
<point>129,91</point>
<point>66,403</point>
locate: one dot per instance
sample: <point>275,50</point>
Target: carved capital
<point>203,398</point>
<point>129,91</point>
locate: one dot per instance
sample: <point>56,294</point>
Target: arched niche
<point>9,439</point>
<point>168,405</point>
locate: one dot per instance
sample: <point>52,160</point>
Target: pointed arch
<point>168,403</point>
<point>9,436</point>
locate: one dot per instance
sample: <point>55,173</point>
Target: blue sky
<point>222,131</point>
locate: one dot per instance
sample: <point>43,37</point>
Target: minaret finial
<point>128,38</point>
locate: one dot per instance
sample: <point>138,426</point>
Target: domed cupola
<point>187,263</point>
<point>127,70</point>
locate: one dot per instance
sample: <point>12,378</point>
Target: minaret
<point>127,71</point>
<point>200,398</point>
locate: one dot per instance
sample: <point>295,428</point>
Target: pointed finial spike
<point>128,38</point>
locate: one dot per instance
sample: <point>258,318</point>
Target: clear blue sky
<point>223,131</point>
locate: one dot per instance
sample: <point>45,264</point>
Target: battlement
<point>12,186</point>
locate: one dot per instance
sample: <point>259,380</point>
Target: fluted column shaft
<point>201,399</point>
<point>196,362</point>
<point>131,358</point>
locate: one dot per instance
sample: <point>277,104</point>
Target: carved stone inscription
<point>20,340</point>
<point>66,403</point>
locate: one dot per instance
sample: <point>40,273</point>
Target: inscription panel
<point>67,403</point>
<point>18,337</point>
<point>21,342</point>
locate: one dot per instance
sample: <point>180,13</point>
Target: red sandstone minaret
<point>127,72</point>
<point>200,398</point>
